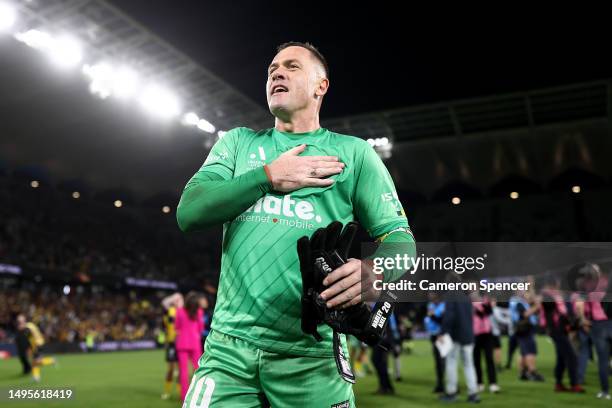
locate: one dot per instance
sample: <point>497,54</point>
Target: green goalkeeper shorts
<point>235,373</point>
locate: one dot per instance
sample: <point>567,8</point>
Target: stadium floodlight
<point>576,189</point>
<point>37,39</point>
<point>191,119</point>
<point>76,195</point>
<point>125,83</point>
<point>106,81</point>
<point>206,126</point>
<point>514,195</point>
<point>101,79</point>
<point>456,200</point>
<point>165,209</point>
<point>65,51</point>
<point>34,184</point>
<point>159,101</point>
<point>66,290</point>
<point>221,133</point>
<point>118,203</point>
<point>8,16</point>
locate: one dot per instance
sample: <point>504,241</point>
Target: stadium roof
<point>457,118</point>
<point>111,35</point>
<point>51,120</point>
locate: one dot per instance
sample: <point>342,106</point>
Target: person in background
<point>484,343</point>
<point>594,287</point>
<point>23,348</point>
<point>36,341</point>
<point>170,304</point>
<point>499,319</point>
<point>358,353</point>
<point>555,317</point>
<point>396,346</point>
<point>189,324</point>
<point>583,336</point>
<point>457,323</point>
<point>90,340</point>
<point>524,308</point>
<point>512,339</point>
<point>380,361</point>
<point>433,320</point>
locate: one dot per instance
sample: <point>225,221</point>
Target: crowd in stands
<point>70,318</point>
<point>45,228</point>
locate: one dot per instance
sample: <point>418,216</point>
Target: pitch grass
<point>134,379</point>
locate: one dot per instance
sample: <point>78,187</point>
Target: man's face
<point>294,81</point>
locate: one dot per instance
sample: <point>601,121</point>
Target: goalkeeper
<point>269,188</point>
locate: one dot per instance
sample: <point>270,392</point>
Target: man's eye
<point>294,66</point>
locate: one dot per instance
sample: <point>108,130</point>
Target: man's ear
<point>323,87</point>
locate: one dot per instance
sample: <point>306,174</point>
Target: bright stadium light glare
<point>101,78</point>
<point>576,189</point>
<point>160,102</point>
<point>456,200</point>
<point>37,39</point>
<point>190,119</point>
<point>514,195</point>
<point>118,203</point>
<point>66,52</point>
<point>165,209</point>
<point>76,195</point>
<point>66,290</point>
<point>106,81</point>
<point>206,126</point>
<point>221,133</point>
<point>125,83</point>
<point>8,16</point>
<point>34,184</point>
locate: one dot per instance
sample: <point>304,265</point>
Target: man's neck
<point>298,124</point>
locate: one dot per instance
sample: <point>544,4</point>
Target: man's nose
<point>278,75</point>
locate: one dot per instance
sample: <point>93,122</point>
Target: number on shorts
<point>209,385</point>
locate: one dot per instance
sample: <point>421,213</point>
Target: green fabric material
<point>234,373</point>
<point>209,200</point>
<point>260,283</point>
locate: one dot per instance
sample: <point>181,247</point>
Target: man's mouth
<point>277,89</point>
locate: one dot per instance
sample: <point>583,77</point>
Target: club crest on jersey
<point>257,159</point>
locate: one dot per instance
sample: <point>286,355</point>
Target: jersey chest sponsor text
<point>284,211</point>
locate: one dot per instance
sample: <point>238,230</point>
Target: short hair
<point>313,50</point>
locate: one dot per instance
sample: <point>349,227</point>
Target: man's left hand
<point>350,284</point>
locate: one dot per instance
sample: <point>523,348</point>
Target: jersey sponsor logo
<point>394,200</point>
<point>284,211</point>
<point>389,196</point>
<point>343,404</point>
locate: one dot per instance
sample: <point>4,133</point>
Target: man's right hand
<point>290,172</point>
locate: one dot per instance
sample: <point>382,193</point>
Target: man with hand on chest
<point>269,188</point>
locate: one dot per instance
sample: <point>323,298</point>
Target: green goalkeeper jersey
<point>260,283</point>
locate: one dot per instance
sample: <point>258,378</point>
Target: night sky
<point>387,57</point>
